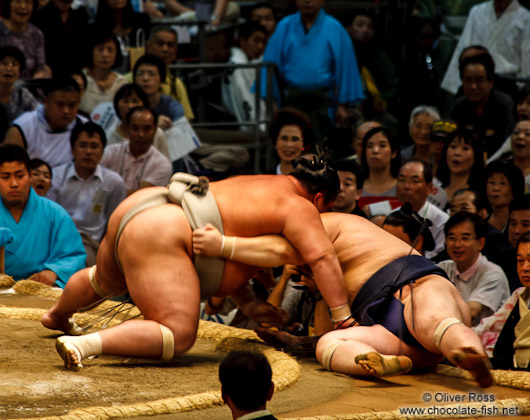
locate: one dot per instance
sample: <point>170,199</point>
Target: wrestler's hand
<point>265,313</point>
<point>207,241</point>
<point>46,276</point>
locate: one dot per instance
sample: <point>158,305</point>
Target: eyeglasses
<point>463,239</point>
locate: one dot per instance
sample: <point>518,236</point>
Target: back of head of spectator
<point>246,382</point>
<point>253,39</point>
<point>519,221</point>
<point>263,13</point>
<point>411,228</point>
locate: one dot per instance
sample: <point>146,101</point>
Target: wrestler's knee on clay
<point>176,341</point>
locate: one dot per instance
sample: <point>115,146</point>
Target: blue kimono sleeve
<point>67,253</point>
<point>272,54</point>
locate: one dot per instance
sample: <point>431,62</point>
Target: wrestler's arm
<point>261,251</point>
<point>258,310</point>
<point>303,228</point>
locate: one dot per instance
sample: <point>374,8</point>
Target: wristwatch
<point>213,16</point>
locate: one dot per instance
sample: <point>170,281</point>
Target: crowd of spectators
<point>436,152</point>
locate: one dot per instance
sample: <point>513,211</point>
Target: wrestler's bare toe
<point>70,354</point>
<point>381,365</point>
<point>477,364</point>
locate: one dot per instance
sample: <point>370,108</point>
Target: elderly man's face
<point>309,7</point>
<point>14,183</point>
<point>411,185</point>
<point>164,46</point>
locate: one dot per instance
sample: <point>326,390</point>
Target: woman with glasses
<point>16,30</point>
<point>15,98</point>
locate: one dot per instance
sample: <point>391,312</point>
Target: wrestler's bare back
<point>362,248</point>
<point>259,213</point>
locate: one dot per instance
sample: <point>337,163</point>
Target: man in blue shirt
<point>47,245</point>
<point>316,61</point>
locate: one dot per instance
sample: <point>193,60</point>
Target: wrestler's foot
<point>381,365</point>
<point>67,326</point>
<point>69,352</point>
<point>477,364</point>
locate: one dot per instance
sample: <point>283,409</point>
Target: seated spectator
<point>411,228</point>
<point>380,161</point>
<point>40,176</point>
<point>486,111</point>
<point>421,120</point>
<point>246,385</point>
<point>80,78</point>
<point>360,131</point>
<point>85,189</point>
<point>137,161</point>
<point>104,54</point>
<point>519,150</point>
<point>45,132</point>
<point>482,284</point>
<point>65,35</point>
<point>440,133</point>
<point>522,100</point>
<point>351,182</point>
<point>119,18</point>
<point>163,43</point>
<point>497,247</point>
<point>16,98</point>
<point>297,294</point>
<point>263,13</point>
<point>128,97</point>
<point>414,185</point>
<point>148,73</point>
<point>462,163</point>
<point>46,247</point>
<point>290,132</point>
<point>237,84</point>
<point>16,30</point>
<point>504,334</point>
<point>504,183</point>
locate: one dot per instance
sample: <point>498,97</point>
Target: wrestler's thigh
<point>108,275</point>
<point>433,301</point>
<point>159,271</point>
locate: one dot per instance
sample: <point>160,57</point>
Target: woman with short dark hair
<point>102,81</point>
<point>15,98</point>
<point>16,30</point>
